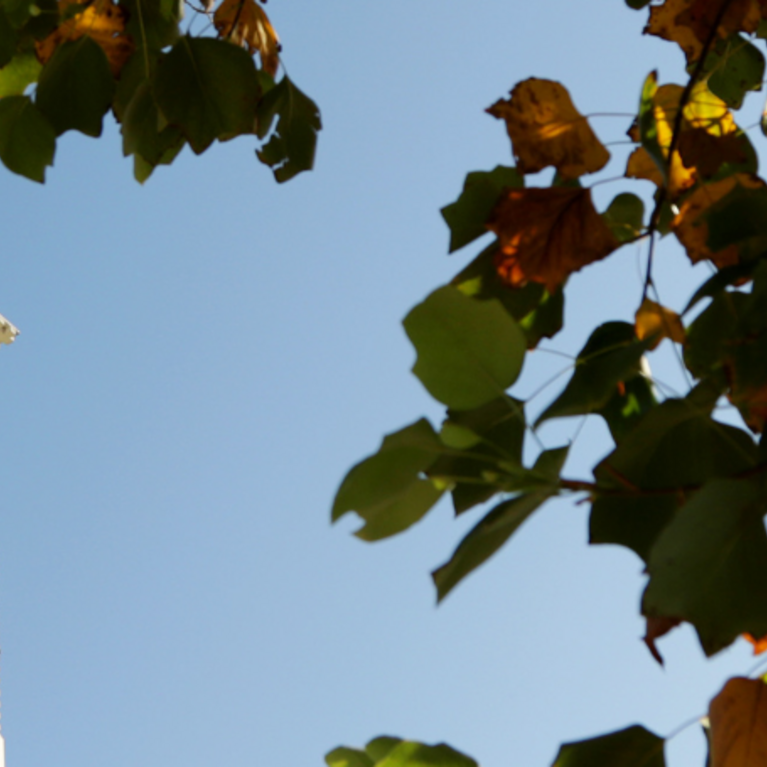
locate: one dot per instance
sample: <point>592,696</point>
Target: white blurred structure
<point>8,333</point>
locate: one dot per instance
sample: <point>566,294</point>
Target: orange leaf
<point>690,227</point>
<point>102,21</point>
<point>655,321</point>
<point>689,22</point>
<point>245,23</point>
<point>546,234</point>
<point>760,645</point>
<point>641,165</point>
<point>546,129</point>
<point>738,724</point>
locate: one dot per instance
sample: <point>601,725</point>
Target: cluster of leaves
<point>64,64</point>
<point>686,492</point>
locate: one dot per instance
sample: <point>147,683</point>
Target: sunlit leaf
<point>689,23</point>
<point>101,20</point>
<point>410,754</point>
<point>469,352</point>
<point>18,74</point>
<point>245,23</point>
<point>388,489</point>
<point>653,321</point>
<point>738,724</point>
<point>348,757</point>
<point>547,234</point>
<point>546,129</point>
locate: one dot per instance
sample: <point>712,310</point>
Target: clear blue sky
<point>203,358</point>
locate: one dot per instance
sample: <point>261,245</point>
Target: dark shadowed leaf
<point>140,131</point>
<point>737,67</point>
<point>208,89</point>
<point>380,747</point>
<point>291,148</point>
<point>610,356</point>
<point>75,88</point>
<point>625,217</point>
<point>633,747</point>
<point>709,565</point>
<point>466,216</point>
<point>27,141</point>
<point>469,352</point>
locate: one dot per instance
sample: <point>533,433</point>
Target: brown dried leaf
<point>690,227</point>
<point>705,153</point>
<point>546,129</point>
<point>689,22</point>
<point>102,21</point>
<point>655,321</point>
<point>546,234</point>
<point>656,627</point>
<point>641,165</point>
<point>245,23</point>
<point>738,722</point>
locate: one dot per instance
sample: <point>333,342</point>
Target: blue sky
<point>203,358</point>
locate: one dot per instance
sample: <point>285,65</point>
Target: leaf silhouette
<point>546,129</point>
<point>546,234</point>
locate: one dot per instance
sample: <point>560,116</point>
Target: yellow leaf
<point>546,234</point>
<point>102,21</point>
<point>245,23</point>
<point>738,722</point>
<point>690,227</point>
<point>708,137</point>
<point>689,22</point>
<point>546,129</point>
<point>654,321</point>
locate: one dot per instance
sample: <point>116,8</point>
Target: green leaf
<point>22,71</point>
<point>380,747</point>
<point>387,489</point>
<point>466,216</point>
<point>539,313</point>
<point>625,409</point>
<point>469,352</point>
<point>740,218</point>
<point>75,88</point>
<point>625,217</point>
<point>675,448</point>
<point>477,473</point>
<point>291,148</point>
<point>8,39</point>
<point>140,128</point>
<point>611,355</point>
<point>27,141</point>
<point>648,129</point>
<point>633,747</point>
<point>483,540</point>
<point>348,757</point>
<point>17,11</point>
<point>153,25</point>
<point>709,565</point>
<point>720,280</point>
<point>411,754</point>
<point>208,89</point>
<point>737,67</point>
